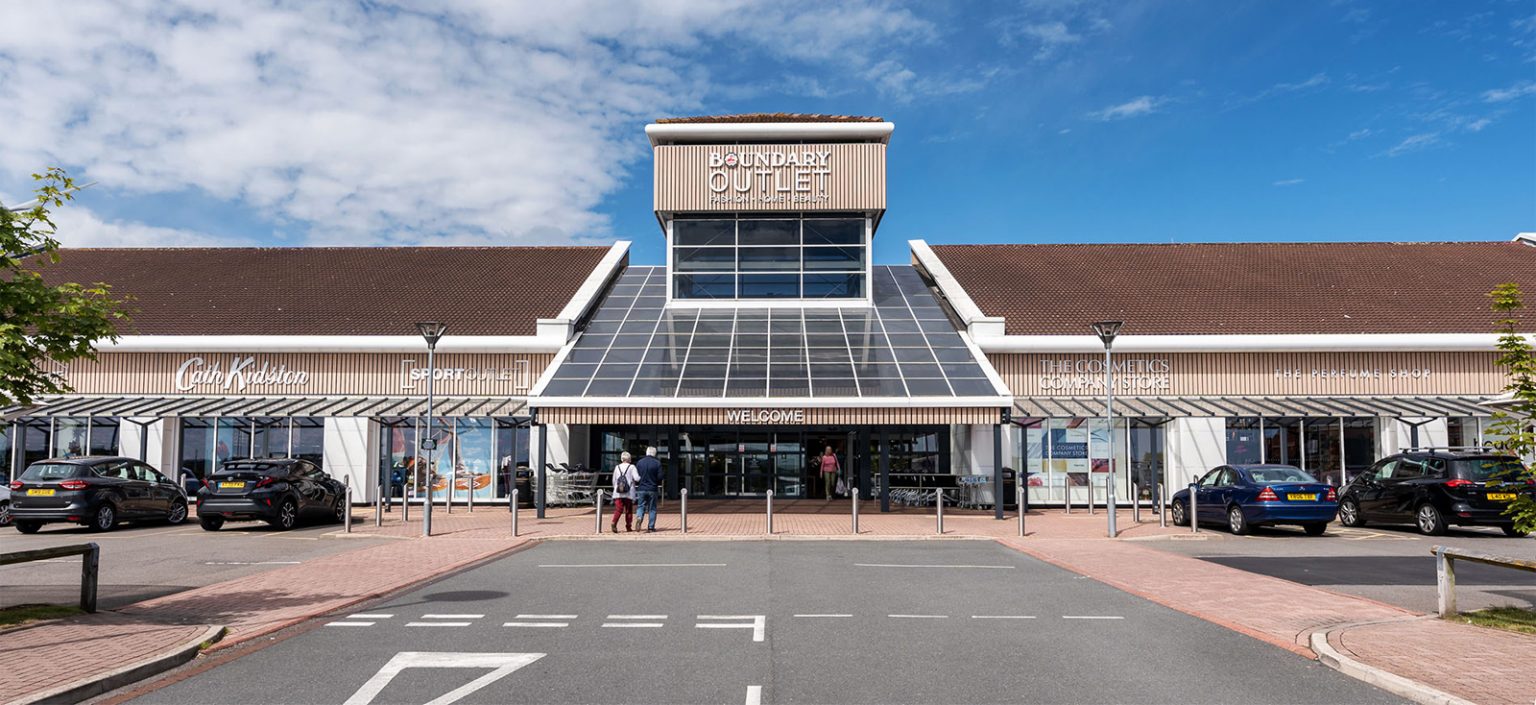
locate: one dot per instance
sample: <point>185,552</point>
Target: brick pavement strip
<point>47,660</point>
<point>1481,665</point>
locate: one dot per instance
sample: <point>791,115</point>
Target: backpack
<point>621,485</point>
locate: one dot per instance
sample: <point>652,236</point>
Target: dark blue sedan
<point>1245,496</point>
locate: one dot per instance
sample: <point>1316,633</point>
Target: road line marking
<point>918,616</point>
<point>620,625</point>
<point>1090,616</point>
<point>754,695</point>
<point>452,616</point>
<point>369,616</point>
<point>922,565</point>
<point>758,626</point>
<point>349,624</point>
<point>545,616</point>
<point>1002,616</point>
<point>635,616</point>
<point>536,624</point>
<point>631,565</point>
<point>251,563</point>
<point>437,624</point>
<point>811,616</point>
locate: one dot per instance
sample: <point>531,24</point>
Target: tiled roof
<point>768,117</point>
<point>333,291</point>
<point>1243,288</point>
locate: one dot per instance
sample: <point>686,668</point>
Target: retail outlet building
<point>770,334</point>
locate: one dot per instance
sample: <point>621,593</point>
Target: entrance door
<point>816,445</point>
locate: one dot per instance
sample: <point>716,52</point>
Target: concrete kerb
<point>126,675</point>
<point>1385,680</point>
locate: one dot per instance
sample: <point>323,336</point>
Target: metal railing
<point>90,566</point>
<point>1445,571</point>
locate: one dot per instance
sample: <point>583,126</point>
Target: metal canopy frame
<point>193,406</point>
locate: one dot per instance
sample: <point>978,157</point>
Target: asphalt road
<point>770,622</point>
<point>1391,564</point>
<point>140,562</point>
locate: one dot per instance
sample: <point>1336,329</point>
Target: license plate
<point>1301,497</point>
<point>39,493</point>
<point>1501,496</point>
<point>232,485</point>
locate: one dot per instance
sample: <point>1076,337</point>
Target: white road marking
<point>370,616</point>
<point>546,616</point>
<point>437,624</point>
<point>349,624</point>
<point>918,616</point>
<point>758,624</point>
<point>814,616</point>
<point>922,565</point>
<point>251,563</point>
<point>641,625</point>
<point>754,695</point>
<point>1002,616</point>
<point>637,616</point>
<point>1090,616</point>
<point>632,565</point>
<point>536,624</point>
<point>503,665</point>
<point>452,616</point>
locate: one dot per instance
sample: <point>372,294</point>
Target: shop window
<point>308,440</point>
<point>7,453</point>
<point>206,443</point>
<point>1244,446</point>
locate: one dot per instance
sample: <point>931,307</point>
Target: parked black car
<point>279,491</point>
<point>97,492</point>
<point>1433,488</point>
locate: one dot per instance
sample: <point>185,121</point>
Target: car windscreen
<point>270,469</point>
<point>1276,475</point>
<point>1485,469</point>
<point>43,472</point>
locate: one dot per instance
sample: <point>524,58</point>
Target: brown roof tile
<point>334,291</point>
<point>768,117</point>
<point>1243,288</point>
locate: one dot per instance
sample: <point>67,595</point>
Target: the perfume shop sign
<point>236,373</point>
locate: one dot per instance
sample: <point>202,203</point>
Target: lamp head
<point>1107,330</point>
<point>431,331</point>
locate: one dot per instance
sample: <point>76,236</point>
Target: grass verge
<point>21,614</point>
<point>1514,619</point>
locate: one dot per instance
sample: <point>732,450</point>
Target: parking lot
<point>142,561</point>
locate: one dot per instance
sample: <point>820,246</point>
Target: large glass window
<point>1061,458</point>
<point>1244,447</point>
<point>7,452</point>
<point>812,258</point>
<point>483,456</point>
<point>206,443</point>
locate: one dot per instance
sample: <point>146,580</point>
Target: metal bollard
<point>346,520</point>
<point>855,495</point>
<point>1136,502</point>
<point>1194,509</point>
<point>1162,505</point>
<point>1023,510</point>
<point>770,512</point>
<point>684,493</point>
<point>378,508</point>
<point>597,509</point>
<point>938,501</point>
<point>514,512</point>
<point>1090,493</point>
<point>90,569</point>
<point>471,494</point>
<point>1110,507</point>
<point>1066,494</point>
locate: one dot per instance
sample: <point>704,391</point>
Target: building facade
<point>769,336</point>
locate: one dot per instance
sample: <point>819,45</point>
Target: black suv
<point>279,491</point>
<point>1434,487</point>
<point>97,492</point>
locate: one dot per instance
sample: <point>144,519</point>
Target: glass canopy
<point>903,346</point>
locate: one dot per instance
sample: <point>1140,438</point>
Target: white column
<point>346,454</point>
<point>1194,445</point>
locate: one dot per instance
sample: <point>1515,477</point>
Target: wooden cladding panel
<point>856,181</point>
<point>1258,374</point>
<point>646,415</point>
<point>327,373</point>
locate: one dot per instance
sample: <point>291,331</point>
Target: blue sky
<point>212,123</point>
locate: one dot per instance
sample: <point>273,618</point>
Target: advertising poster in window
<point>1069,453</point>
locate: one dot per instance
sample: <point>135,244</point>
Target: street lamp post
<point>1107,330</point>
<point>431,331</point>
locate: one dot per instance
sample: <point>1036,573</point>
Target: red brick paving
<point>1486,666</point>
<point>48,656</point>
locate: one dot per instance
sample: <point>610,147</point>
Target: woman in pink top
<point>829,468</point>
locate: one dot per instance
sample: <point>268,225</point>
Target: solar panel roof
<point>902,346</point>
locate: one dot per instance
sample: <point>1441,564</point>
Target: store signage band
<point>765,416</point>
<point>780,177</point>
<point>242,372</point>
<point>520,374</point>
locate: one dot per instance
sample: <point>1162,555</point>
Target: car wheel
<point>339,512</point>
<point>1429,521</point>
<point>178,512</point>
<point>1349,514</point>
<point>105,518</point>
<point>1180,514</point>
<point>1237,521</point>
<point>211,523</point>
<point>28,527</point>
<point>287,515</point>
<point>1512,531</point>
<point>5,513</point>
<point>1315,528</point>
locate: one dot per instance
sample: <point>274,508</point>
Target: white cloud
<point>1414,143</point>
<point>1049,36</point>
<point>79,227</point>
<point>395,121</point>
<point>1518,90</point>
<point>1289,182</point>
<point>1135,107</point>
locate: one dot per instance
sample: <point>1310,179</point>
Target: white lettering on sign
<point>243,372</point>
<point>1353,373</point>
<point>765,416</point>
<point>520,374</point>
<point>786,176</point>
<point>1074,376</point>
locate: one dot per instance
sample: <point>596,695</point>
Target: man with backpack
<point>648,487</point>
<point>624,477</point>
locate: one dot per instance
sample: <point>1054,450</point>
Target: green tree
<point>42,323</point>
<point>1512,423</point>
